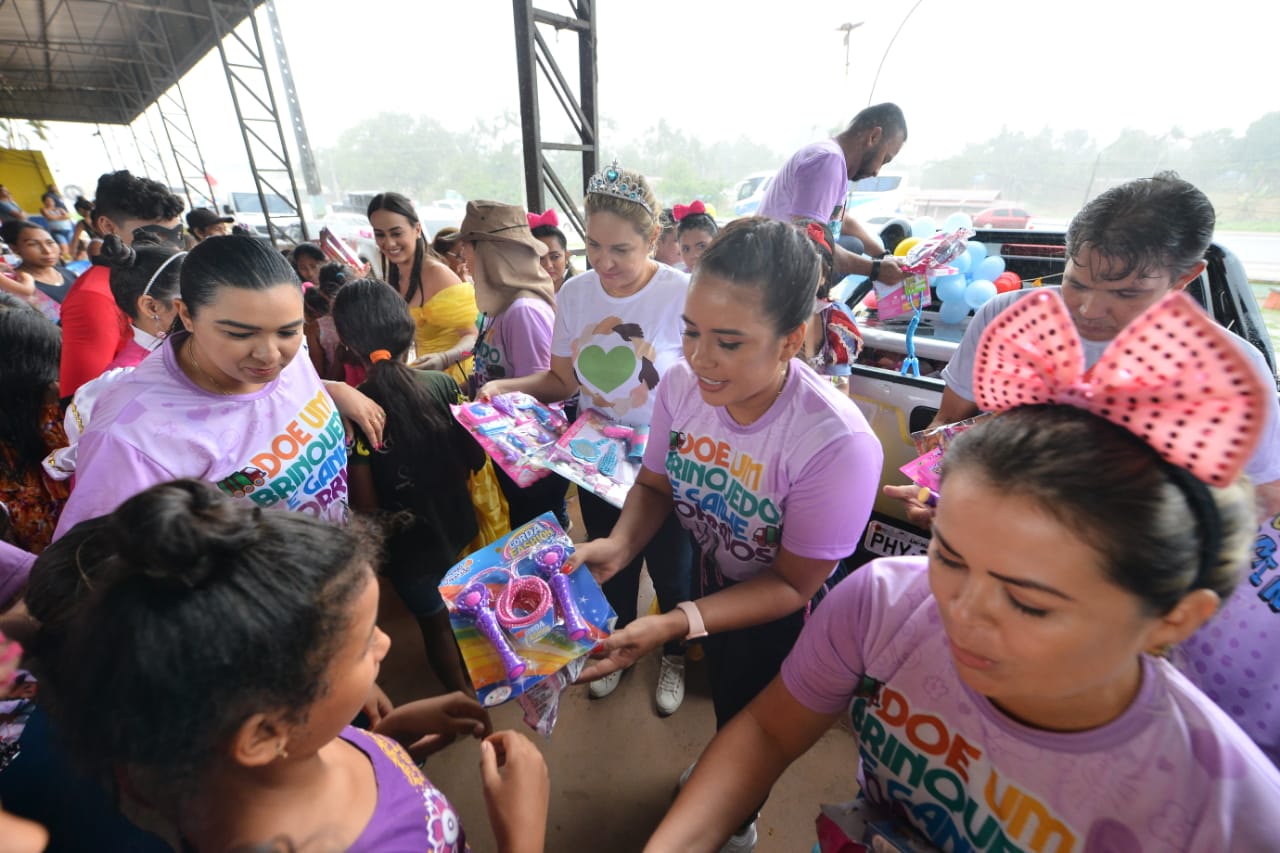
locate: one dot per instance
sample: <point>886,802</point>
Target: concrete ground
<point>614,762</point>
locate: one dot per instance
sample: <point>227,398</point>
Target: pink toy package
<point>516,431</point>
<point>600,455</point>
<point>929,257</point>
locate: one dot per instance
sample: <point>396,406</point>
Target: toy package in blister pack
<point>518,616</point>
<point>861,826</point>
<point>925,470</point>
<point>600,455</point>
<point>516,431</point>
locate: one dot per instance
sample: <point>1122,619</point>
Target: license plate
<point>889,541</point>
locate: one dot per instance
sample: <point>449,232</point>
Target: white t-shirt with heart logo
<point>621,347</point>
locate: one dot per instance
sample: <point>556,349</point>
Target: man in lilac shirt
<point>813,184</point>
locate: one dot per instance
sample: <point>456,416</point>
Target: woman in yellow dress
<point>443,306</point>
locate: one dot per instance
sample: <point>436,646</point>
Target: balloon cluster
<point>978,277</point>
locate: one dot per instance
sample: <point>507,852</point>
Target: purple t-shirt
<point>812,184</point>
<point>1170,773</point>
<point>515,343</point>
<point>411,816</point>
<point>803,476</point>
<point>1233,657</point>
<point>282,446</point>
<point>15,568</point>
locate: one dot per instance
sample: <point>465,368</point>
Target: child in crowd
<point>416,480</point>
<point>226,401</point>
<point>442,244</point>
<point>144,283</point>
<point>42,260</point>
<point>695,229</point>
<point>30,424</point>
<point>667,249</point>
<point>557,261</point>
<point>1009,690</point>
<point>308,258</point>
<point>832,340</point>
<point>213,668</point>
<point>627,306</point>
<point>517,304</point>
<point>771,469</point>
<point>322,335</point>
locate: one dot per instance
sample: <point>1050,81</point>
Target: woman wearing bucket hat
<point>617,331</point>
<point>516,299</point>
<point>443,306</point>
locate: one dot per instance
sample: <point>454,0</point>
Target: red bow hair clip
<point>1173,377</point>
<point>816,234</point>
<point>547,218</point>
<point>680,211</point>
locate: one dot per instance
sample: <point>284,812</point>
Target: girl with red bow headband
<point>557,261</point>
<point>695,229</point>
<point>1018,668</point>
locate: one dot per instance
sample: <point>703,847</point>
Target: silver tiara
<point>612,182</point>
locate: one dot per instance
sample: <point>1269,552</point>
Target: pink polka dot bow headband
<point>1172,377</point>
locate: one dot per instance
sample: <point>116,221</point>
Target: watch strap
<point>696,626</point>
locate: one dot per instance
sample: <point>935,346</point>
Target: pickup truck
<point>897,405</point>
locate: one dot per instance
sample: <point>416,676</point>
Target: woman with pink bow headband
<point>557,261</point>
<point>695,229</point>
<point>1010,690</point>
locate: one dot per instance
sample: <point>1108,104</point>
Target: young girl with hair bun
<point>212,668</point>
<point>226,400</point>
<point>1010,690</point>
<point>417,480</point>
<point>771,469</point>
<point>617,333</point>
<point>695,229</point>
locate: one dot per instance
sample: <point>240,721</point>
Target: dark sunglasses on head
<point>158,233</point>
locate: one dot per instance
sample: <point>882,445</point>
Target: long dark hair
<point>371,316</point>
<point>28,370</point>
<point>553,231</point>
<point>396,203</point>
<point>196,611</point>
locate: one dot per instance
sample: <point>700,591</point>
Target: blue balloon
<point>990,268</point>
<point>956,221</point>
<point>953,312</point>
<point>976,252</point>
<point>962,263</point>
<point>950,288</point>
<point>978,292</point>
<point>924,227</point>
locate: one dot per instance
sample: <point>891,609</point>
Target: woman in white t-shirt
<point>617,332</point>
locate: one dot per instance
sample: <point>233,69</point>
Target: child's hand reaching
<point>516,791</point>
<point>429,725</point>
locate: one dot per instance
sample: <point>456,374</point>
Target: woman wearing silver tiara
<point>618,328</point>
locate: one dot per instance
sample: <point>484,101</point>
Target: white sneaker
<point>744,842</point>
<point>670,684</point>
<point>602,687</point>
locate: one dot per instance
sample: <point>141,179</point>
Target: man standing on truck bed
<point>813,184</point>
<point>1126,249</point>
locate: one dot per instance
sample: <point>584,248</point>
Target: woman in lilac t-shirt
<point>1009,690</point>
<point>226,401</point>
<point>772,470</point>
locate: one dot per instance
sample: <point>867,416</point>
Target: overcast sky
<point>774,71</point>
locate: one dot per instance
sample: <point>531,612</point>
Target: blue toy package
<point>518,615</point>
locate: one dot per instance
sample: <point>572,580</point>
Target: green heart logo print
<point>606,370</point>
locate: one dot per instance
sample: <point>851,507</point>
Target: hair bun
<point>178,534</point>
<point>116,253</point>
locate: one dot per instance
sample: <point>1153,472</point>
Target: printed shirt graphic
<point>1171,773</point>
<point>515,343</point>
<point>803,476</point>
<point>411,816</point>
<point>283,446</point>
<point>621,348</point>
<point>1233,659</point>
